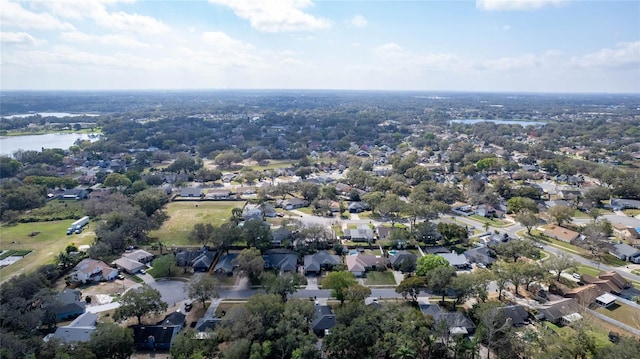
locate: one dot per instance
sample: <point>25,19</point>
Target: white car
<point>576,275</point>
<point>142,271</point>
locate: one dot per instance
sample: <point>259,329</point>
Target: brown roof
<point>561,233</point>
<point>585,294</point>
<point>604,284</point>
<point>615,278</point>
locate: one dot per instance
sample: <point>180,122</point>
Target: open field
<point>183,215</point>
<point>51,240</point>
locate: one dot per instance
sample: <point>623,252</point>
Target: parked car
<point>576,275</point>
<point>142,271</point>
<point>188,306</point>
<point>120,276</point>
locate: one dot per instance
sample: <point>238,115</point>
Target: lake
<point>473,121</point>
<point>51,114</point>
<point>11,144</point>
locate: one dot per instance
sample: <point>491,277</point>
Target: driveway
<point>173,291</point>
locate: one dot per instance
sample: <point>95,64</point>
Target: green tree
<point>204,287</point>
<point>339,282</point>
<point>517,204</point>
<point>117,180</point>
<point>528,219</point>
<point>439,279</point>
<point>410,287</point>
<point>257,234</point>
<point>515,249</point>
<point>110,340</point>
<point>164,266</point>
<point>427,263</point>
<point>150,200</point>
<point>139,302</point>
<point>250,264</point>
<point>188,345</point>
<point>282,285</point>
<point>560,214</point>
<point>202,233</point>
<point>560,263</point>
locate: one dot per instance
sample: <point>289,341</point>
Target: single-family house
<point>323,320</point>
<point>561,233</point>
<point>584,294</point>
<point>282,260</point>
<point>226,264</point>
<point>92,270</point>
<point>430,309</point>
<point>74,194</point>
<point>360,264</point>
<point>292,203</point>
<point>281,235</point>
<point>128,265</point>
<point>516,315</point>
<point>616,278</point>
<point>398,259</point>
<point>618,204</point>
<point>363,233</point>
<point>383,232</point>
<point>203,262</point>
<point>606,285</point>
<point>481,255</point>
<point>152,337</point>
<point>356,207</point>
<point>625,232</point>
<point>68,304</point>
<point>139,255</point>
<point>456,260</point>
<point>488,211</point>
<point>228,177</point>
<point>176,318</point>
<point>258,211</point>
<point>553,311</point>
<point>315,263</point>
<point>79,330</point>
<point>185,258</point>
<point>625,252</point>
<point>457,322</point>
<point>218,194</point>
<point>191,192</point>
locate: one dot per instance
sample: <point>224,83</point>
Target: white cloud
<point>276,15</point>
<point>13,14</point>
<point>506,27</point>
<point>516,4</point>
<point>19,38</point>
<point>112,40</point>
<point>358,21</point>
<point>623,55</point>
<point>96,10</point>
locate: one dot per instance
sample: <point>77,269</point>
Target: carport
<point>606,300</point>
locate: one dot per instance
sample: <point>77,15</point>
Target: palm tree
<point>404,352</point>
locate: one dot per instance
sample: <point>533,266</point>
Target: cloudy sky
<point>456,45</point>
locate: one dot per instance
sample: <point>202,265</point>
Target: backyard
<point>622,313</point>
<point>50,240</point>
<point>184,215</point>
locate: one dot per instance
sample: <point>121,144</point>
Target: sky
<point>454,45</point>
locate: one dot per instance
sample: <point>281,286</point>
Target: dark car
<point>188,306</point>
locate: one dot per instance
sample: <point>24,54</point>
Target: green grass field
<point>184,215</point>
<point>380,278</point>
<point>51,240</point>
<point>622,313</point>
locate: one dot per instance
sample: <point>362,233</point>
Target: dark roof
<point>401,256</point>
<point>69,296</point>
<point>162,334</point>
<point>287,261</point>
<point>430,309</point>
<point>185,257</point>
<point>225,263</point>
<point>207,323</point>
<point>204,260</point>
<point>482,255</point>
<point>175,318</point>
<point>315,261</point>
<point>455,320</point>
<point>517,314</point>
<point>553,311</point>
<point>323,319</point>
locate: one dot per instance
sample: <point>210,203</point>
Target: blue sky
<point>483,45</point>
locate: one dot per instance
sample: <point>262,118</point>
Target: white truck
<point>78,225</point>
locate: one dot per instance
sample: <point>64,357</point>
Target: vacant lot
<point>46,245</point>
<point>183,215</point>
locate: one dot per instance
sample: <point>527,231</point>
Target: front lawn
<point>491,222</point>
<point>588,270</point>
<point>184,215</point>
<point>380,278</point>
